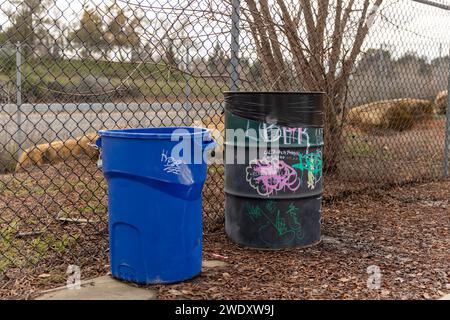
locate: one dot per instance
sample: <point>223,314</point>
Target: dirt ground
<point>404,231</point>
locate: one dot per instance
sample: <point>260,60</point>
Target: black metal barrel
<point>273,168</point>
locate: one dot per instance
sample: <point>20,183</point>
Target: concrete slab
<point>213,264</point>
<point>108,288</point>
<point>101,288</point>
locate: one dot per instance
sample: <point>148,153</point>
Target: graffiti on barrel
<point>275,224</point>
<point>312,164</point>
<point>272,173</point>
<point>275,133</point>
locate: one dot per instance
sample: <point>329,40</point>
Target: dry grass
<point>398,114</point>
<point>376,158</point>
<point>8,158</point>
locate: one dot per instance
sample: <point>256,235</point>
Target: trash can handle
<point>98,142</point>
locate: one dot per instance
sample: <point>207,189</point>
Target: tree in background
<point>89,35</point>
<point>123,30</point>
<point>412,60</point>
<point>169,52</point>
<point>441,62</point>
<point>27,23</point>
<point>134,31</point>
<point>115,33</point>
<point>169,43</point>
<point>318,43</point>
<point>218,61</point>
<point>3,38</point>
<point>55,36</point>
<point>377,60</point>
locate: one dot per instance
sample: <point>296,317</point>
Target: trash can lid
<point>165,133</point>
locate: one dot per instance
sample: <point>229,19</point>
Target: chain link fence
<point>70,68</point>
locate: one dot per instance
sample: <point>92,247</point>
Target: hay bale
<point>32,156</point>
<point>399,119</point>
<point>397,114</point>
<point>58,151</point>
<point>440,102</point>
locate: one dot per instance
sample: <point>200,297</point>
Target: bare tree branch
<point>275,44</point>
<point>267,57</point>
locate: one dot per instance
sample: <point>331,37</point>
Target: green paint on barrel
<point>273,177</point>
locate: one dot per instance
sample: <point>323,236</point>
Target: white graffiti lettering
<point>171,165</point>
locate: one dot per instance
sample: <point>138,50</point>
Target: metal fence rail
<point>70,68</point>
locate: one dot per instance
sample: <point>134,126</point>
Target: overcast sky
<point>410,26</point>
<point>402,26</point>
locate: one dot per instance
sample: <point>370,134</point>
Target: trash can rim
<point>146,133</point>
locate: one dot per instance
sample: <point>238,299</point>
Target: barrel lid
<point>274,92</point>
<point>285,108</point>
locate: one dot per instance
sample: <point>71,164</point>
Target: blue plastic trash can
<point>155,201</point>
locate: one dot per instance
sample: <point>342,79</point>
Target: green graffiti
<point>285,224</point>
<point>270,205</point>
<point>253,211</point>
<point>312,164</point>
<point>280,225</point>
<point>292,210</point>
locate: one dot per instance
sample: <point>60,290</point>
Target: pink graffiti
<point>269,176</point>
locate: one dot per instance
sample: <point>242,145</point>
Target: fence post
<point>447,125</point>
<point>19,134</point>
<point>187,87</point>
<point>234,45</point>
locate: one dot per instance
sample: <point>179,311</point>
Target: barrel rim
<point>276,92</point>
<point>136,133</point>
